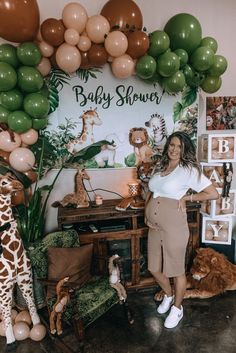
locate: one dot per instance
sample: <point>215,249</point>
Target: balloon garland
<point>173,57</point>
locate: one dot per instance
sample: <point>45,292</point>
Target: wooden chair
<point>87,302</point>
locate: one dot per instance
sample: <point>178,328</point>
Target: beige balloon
<point>6,143</point>
<point>68,58</point>
<point>2,329</point>
<point>84,43</point>
<point>24,316</point>
<point>123,66</point>
<point>97,27</point>
<point>71,36</point>
<point>38,332</point>
<point>116,43</point>
<point>74,16</point>
<point>46,49</point>
<point>21,330</point>
<point>44,67</point>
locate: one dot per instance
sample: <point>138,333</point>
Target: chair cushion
<point>72,262</point>
<point>89,302</point>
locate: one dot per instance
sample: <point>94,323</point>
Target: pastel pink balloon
<point>71,36</point>
<point>21,331</point>
<point>38,332</point>
<point>74,16</point>
<point>116,43</point>
<point>44,67</point>
<point>123,66</point>
<point>22,159</point>
<point>29,137</point>
<point>68,58</point>
<point>97,27</point>
<point>14,314</point>
<point>23,316</point>
<point>84,43</point>
<point>2,329</point>
<point>46,49</point>
<point>6,144</point>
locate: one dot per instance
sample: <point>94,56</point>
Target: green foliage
<point>85,74</point>
<point>55,82</point>
<point>130,160</point>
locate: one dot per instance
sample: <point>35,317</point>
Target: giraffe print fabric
<point>14,264</point>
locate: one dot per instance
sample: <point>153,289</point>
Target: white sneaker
<point>174,317</point>
<point>165,304</point>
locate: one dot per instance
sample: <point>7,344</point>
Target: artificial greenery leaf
<point>89,151</point>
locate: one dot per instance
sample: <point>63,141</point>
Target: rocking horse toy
<point>14,264</point>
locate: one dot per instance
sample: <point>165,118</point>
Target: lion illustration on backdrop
<point>138,138</point>
<point>211,274</point>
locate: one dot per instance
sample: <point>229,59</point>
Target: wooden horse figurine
<point>79,198</point>
<point>14,264</point>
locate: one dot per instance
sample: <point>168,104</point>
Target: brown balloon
<point>31,175</point>
<point>52,31</point>
<point>124,15</point>
<point>4,155</point>
<point>19,20</point>
<point>138,44</point>
<point>18,198</point>
<point>53,60</point>
<point>84,61</point>
<point>97,55</point>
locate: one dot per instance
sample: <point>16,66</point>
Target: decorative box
<point>224,206</point>
<point>217,148</point>
<point>214,171</point>
<point>217,230</point>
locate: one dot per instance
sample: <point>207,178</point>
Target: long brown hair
<point>188,157</point>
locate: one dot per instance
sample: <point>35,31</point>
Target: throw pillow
<point>72,262</point>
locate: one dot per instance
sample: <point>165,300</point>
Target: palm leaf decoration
<point>85,74</point>
<point>55,82</point>
<point>89,152</point>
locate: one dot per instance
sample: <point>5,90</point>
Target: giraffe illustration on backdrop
<point>86,137</point>
<point>14,264</point>
<point>79,198</point>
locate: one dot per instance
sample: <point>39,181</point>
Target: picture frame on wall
<point>221,113</point>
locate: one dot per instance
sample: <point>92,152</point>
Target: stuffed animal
<point>211,274</point>
<point>228,176</point>
<point>63,298</point>
<point>114,278</point>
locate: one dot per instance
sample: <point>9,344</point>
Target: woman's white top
<point>176,184</point>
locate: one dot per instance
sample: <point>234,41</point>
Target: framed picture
<point>221,113</point>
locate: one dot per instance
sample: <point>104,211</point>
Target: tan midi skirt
<point>167,237</point>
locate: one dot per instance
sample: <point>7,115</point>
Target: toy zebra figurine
<point>14,264</point>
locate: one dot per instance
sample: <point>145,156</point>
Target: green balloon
<point>219,66</point>
<point>174,83</point>
<point>146,67</point>
<point>30,79</point>
<point>184,31</point>
<point>183,56</point>
<point>156,78</point>
<point>211,84</point>
<point>167,64</point>
<point>159,43</point>
<point>19,121</point>
<point>8,55</point>
<point>3,114</point>
<point>36,105</point>
<point>192,77</point>
<point>8,77</point>
<point>210,43</point>
<point>202,58</point>
<point>29,54</point>
<point>39,123</point>
<point>12,100</point>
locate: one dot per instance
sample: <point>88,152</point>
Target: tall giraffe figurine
<point>14,264</point>
<point>79,198</point>
<point>86,137</point>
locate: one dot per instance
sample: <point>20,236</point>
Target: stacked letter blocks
<point>216,149</point>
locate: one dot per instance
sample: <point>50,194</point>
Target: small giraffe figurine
<point>79,198</point>
<point>14,264</point>
<point>86,137</point>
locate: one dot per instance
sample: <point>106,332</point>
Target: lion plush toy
<point>211,274</point>
<point>63,297</point>
<point>138,138</point>
<point>114,278</point>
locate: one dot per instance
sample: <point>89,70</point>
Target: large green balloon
<point>202,58</point>
<point>184,31</point>
<point>192,77</point>
<point>210,43</point>
<point>39,124</point>
<point>19,121</point>
<point>146,67</point>
<point>167,64</point>
<point>211,84</point>
<point>29,54</point>
<point>30,79</point>
<point>12,100</point>
<point>3,114</point>
<point>8,55</point>
<point>159,43</point>
<point>36,105</point>
<point>8,77</point>
<point>174,83</point>
<point>183,56</point>
<point>219,66</point>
